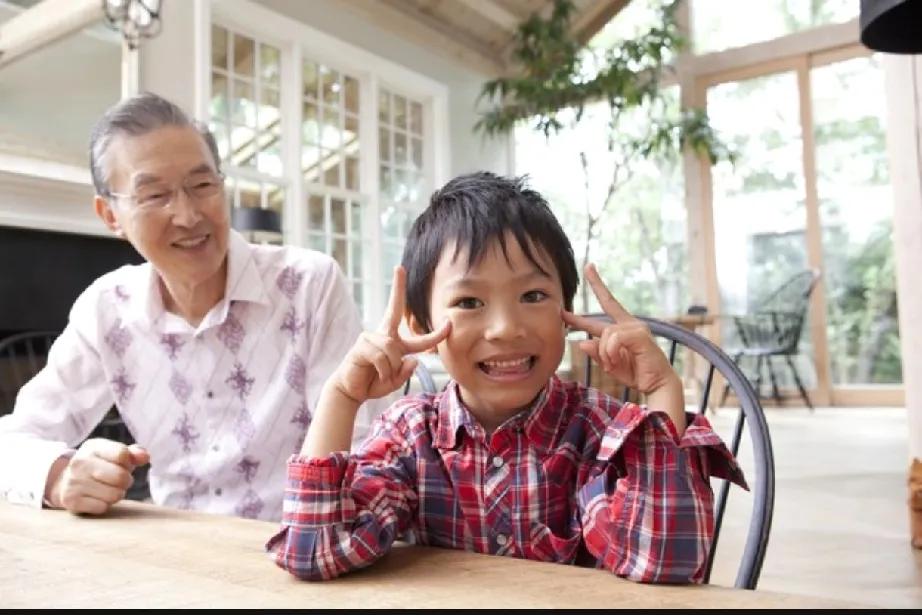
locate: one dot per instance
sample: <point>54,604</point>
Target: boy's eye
<point>467,303</point>
<point>534,296</point>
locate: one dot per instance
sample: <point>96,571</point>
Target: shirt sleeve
<point>335,327</point>
<point>53,413</point>
<point>343,512</point>
<point>647,508</point>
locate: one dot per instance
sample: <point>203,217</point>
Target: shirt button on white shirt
<point>501,540</point>
<point>498,462</point>
<point>218,491</point>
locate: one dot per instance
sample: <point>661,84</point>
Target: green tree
<point>559,78</point>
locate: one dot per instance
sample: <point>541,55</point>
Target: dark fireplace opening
<point>41,275</point>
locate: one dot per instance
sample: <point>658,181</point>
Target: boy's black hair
<point>472,211</point>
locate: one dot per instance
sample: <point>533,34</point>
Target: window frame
<point>297,41</point>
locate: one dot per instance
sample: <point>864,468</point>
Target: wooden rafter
<point>45,23</point>
<point>495,12</point>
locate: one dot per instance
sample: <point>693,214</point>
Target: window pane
<point>311,80</point>
<point>384,144</point>
<point>243,150</point>
<point>352,173</point>
<point>244,107</point>
<point>276,198</point>
<point>219,47</point>
<point>352,94</point>
<point>759,208</point>
<point>852,174</point>
<point>417,157</point>
<point>351,127</point>
<point>317,242</point>
<point>356,228</point>
<point>218,107</point>
<point>340,253</point>
<point>416,118</point>
<point>315,213</point>
<point>329,85</point>
<point>356,259</point>
<point>269,64</point>
<point>244,55</point>
<point>384,107</point>
<point>721,24</point>
<point>269,112</point>
<point>221,138</point>
<point>310,163</point>
<point>400,112</point>
<point>250,194</point>
<point>400,148</point>
<point>310,127</point>
<point>338,216</point>
<point>331,135</point>
<point>331,165</point>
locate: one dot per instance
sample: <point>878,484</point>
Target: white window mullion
<point>369,157</point>
<point>296,201</point>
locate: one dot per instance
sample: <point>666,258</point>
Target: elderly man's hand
<point>95,478</point>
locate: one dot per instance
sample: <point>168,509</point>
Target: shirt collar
<point>244,283</point>
<point>541,422</point>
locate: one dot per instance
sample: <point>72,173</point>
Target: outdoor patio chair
<point>21,357</point>
<point>682,344</point>
<point>773,329</point>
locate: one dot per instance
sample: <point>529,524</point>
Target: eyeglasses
<point>157,197</point>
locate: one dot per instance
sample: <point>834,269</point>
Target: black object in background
<point>894,26</point>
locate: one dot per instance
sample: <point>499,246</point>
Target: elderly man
<point>214,350</point>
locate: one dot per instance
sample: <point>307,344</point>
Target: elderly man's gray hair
<point>137,116</point>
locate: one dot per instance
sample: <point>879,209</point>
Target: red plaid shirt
<point>578,476</point>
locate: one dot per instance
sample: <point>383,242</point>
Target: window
<point>342,142</point>
<point>722,24</point>
<point>245,117</point>
<point>401,171</point>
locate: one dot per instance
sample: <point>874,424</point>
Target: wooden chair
<point>763,483</point>
<point>22,356</point>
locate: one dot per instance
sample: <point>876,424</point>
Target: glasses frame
<point>174,193</point>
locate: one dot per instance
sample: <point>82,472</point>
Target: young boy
<point>508,459</point>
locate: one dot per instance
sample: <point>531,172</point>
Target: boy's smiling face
<point>507,335</point>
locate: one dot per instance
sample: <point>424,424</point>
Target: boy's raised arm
<point>342,512</point>
<point>376,366</point>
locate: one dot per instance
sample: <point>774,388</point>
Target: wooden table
<point>144,556</point>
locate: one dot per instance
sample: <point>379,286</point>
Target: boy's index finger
<point>394,312</point>
<point>422,343</point>
<point>607,301</point>
<point>592,326</point>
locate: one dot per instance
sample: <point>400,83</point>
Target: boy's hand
<point>627,351</point>
<point>377,364</point>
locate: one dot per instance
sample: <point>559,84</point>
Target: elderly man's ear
<point>105,213</point>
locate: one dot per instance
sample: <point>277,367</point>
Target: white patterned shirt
<point>220,407</point>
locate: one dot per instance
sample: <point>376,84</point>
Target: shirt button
<point>215,448</point>
<point>209,394</point>
<point>501,540</point>
<point>497,462</point>
<point>218,491</point>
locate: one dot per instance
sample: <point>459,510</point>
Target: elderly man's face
<point>186,241</point>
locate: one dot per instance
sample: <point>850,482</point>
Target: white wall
<point>904,105</point>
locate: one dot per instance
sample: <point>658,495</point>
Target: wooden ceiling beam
<point>592,16</point>
<point>399,17</point>
<point>494,12</point>
<point>43,24</point>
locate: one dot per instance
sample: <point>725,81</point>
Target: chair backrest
<point>426,381</point>
<point>792,295</point>
<point>775,325</point>
<point>21,356</point>
<point>706,353</point>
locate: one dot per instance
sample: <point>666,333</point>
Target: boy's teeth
<point>502,364</point>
